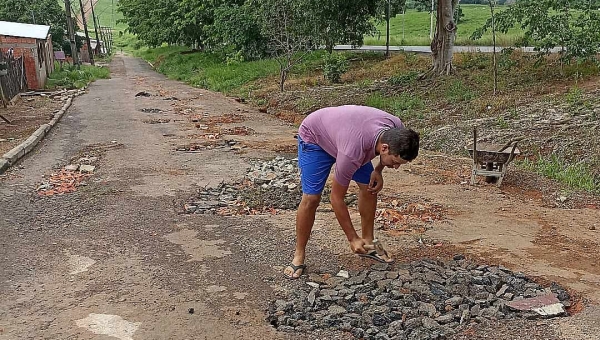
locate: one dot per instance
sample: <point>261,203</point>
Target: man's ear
<point>385,148</point>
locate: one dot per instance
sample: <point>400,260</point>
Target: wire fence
<point>12,76</point>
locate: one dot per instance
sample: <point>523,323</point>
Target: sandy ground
<point>118,258</point>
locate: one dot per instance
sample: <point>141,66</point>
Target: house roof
<point>17,29</point>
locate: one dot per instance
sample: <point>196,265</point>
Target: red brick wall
<point>24,47</point>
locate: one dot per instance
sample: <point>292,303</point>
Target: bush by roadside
<point>70,77</point>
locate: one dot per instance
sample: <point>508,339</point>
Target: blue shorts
<point>315,165</point>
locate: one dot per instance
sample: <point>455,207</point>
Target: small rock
<point>72,167</point>
<point>343,273</point>
<point>191,310</point>
<point>311,297</point>
<point>458,257</point>
<point>87,168</point>
<point>313,284</point>
<point>444,319</point>
<point>336,310</point>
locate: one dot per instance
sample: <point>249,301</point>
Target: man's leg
<point>315,165</point>
<point>305,218</point>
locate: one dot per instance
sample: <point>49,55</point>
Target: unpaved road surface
<point>119,258</point>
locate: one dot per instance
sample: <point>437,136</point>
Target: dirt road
<point>120,258</point>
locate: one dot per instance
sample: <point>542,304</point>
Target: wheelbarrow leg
<point>502,174</point>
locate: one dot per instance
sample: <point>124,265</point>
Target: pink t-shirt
<point>348,133</point>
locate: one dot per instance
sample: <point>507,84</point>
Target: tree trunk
<point>282,77</point>
<point>443,42</point>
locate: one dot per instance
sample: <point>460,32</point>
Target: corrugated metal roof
<point>17,29</point>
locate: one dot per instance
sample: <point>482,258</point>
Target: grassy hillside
<point>412,28</point>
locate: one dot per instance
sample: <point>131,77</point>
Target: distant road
<point>427,49</point>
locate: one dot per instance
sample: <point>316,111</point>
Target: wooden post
<point>87,36</point>
<point>71,31</point>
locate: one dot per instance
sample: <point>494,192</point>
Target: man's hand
<point>376,182</point>
<point>358,245</point>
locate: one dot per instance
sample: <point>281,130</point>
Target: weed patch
<point>457,91</point>
<point>402,105</point>
<point>576,176</point>
<point>72,78</point>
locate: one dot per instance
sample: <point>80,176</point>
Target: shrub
<point>335,65</point>
<point>70,77</point>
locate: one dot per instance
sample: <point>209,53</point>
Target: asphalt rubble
<point>268,186</point>
<point>425,299</point>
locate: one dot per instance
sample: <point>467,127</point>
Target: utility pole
<point>387,30</point>
<point>71,31</point>
<point>95,27</point>
<point>87,36</point>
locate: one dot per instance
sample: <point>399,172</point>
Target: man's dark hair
<point>402,142</point>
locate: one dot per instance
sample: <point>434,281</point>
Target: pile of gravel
<point>425,299</point>
<point>273,184</point>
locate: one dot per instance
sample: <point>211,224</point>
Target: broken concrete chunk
<point>87,168</point>
<point>533,303</point>
<point>72,167</point>
<point>343,273</point>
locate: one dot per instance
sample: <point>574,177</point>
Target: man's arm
<point>376,181</point>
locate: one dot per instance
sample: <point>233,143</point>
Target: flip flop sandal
<point>373,255</point>
<point>295,268</point>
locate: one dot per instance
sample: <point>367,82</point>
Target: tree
<point>573,25</point>
<point>442,44</point>
<point>236,29</point>
<point>41,12</point>
<point>290,31</point>
<point>342,21</point>
<point>154,23</point>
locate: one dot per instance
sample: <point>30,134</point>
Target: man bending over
<point>349,136</point>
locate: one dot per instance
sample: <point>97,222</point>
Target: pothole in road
<point>151,110</point>
<point>75,174</point>
<point>238,131</point>
<point>425,299</point>
<point>268,186</point>
<point>157,121</point>
<point>274,185</point>
<point>210,144</point>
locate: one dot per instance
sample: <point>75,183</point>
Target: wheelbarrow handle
<point>509,143</point>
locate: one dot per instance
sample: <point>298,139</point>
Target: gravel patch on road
<point>425,299</point>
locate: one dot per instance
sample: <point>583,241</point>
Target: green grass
<point>70,77</point>
<point>577,176</point>
<point>457,91</point>
<point>413,29</point>
<point>403,105</point>
<point>209,71</point>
